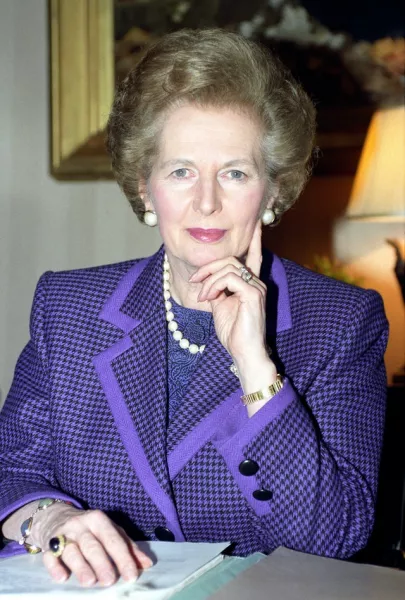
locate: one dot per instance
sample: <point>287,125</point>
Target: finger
<point>95,553</point>
<point>254,256</point>
<point>210,282</point>
<point>102,541</point>
<point>125,554</point>
<point>235,284</point>
<point>212,279</point>
<point>105,546</point>
<point>55,568</point>
<point>213,267</point>
<point>73,558</point>
<point>142,559</point>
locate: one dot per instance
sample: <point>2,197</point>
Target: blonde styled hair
<point>219,69</point>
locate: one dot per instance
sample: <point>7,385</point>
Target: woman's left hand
<point>238,307</point>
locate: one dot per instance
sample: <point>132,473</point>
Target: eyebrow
<point>242,161</point>
<point>176,161</point>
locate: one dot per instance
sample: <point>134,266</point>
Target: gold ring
<point>57,545</point>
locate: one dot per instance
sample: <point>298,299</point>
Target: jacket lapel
<point>142,370</point>
<point>133,373</point>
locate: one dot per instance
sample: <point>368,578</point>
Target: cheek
<point>163,202</point>
<point>250,207</point>
<point>168,210</point>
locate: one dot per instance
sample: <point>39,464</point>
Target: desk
<point>283,575</point>
<point>289,575</point>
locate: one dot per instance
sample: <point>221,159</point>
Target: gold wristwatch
<point>265,393</point>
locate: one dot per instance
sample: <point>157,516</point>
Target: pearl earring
<point>268,216</point>
<point>150,218</point>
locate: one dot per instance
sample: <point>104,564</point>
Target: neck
<point>181,290</point>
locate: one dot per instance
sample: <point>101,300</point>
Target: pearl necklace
<point>171,323</point>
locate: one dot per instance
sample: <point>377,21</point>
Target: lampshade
<point>378,192</point>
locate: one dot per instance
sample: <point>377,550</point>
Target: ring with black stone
<point>57,545</point>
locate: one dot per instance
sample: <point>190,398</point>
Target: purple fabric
<point>228,437</point>
<point>203,432</point>
<point>231,442</point>
<point>231,439</point>
<point>101,435</point>
<point>130,438</point>
<point>111,312</point>
<point>279,277</point>
<point>237,430</point>
<point>12,549</point>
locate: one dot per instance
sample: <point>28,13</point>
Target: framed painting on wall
<point>82,86</point>
<point>94,43</point>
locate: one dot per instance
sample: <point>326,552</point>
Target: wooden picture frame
<point>82,86</point>
<point>82,90</point>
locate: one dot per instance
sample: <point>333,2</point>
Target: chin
<point>198,257</point>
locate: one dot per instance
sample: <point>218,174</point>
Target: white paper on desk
<point>176,564</point>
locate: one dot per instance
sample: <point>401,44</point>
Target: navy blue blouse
<point>195,325</point>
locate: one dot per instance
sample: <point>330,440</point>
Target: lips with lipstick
<point>207,236</point>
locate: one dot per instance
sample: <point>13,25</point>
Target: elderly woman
<point>210,392</point>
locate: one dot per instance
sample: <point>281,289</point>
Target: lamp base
<point>399,268</point>
<point>398,379</point>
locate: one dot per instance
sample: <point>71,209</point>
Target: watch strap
<point>265,393</point>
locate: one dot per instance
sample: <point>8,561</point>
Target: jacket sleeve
<point>26,456</point>
<point>318,456</point>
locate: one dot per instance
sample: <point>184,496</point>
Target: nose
<point>207,196</point>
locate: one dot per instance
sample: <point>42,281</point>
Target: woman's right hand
<point>98,550</point>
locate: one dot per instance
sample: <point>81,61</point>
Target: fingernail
<point>107,581</point>
<point>194,276</point>
<point>147,562</point>
<point>129,575</point>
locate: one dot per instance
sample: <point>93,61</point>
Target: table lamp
<point>377,202</point>
<point>378,193</point>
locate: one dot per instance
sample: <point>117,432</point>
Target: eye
<point>180,173</point>
<point>236,175</point>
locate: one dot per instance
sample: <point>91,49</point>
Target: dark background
<point>363,19</point>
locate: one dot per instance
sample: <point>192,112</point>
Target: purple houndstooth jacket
<point>86,417</point>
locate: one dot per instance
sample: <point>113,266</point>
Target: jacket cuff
<point>12,549</point>
<point>231,440</point>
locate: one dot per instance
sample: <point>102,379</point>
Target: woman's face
<point>207,184</point>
